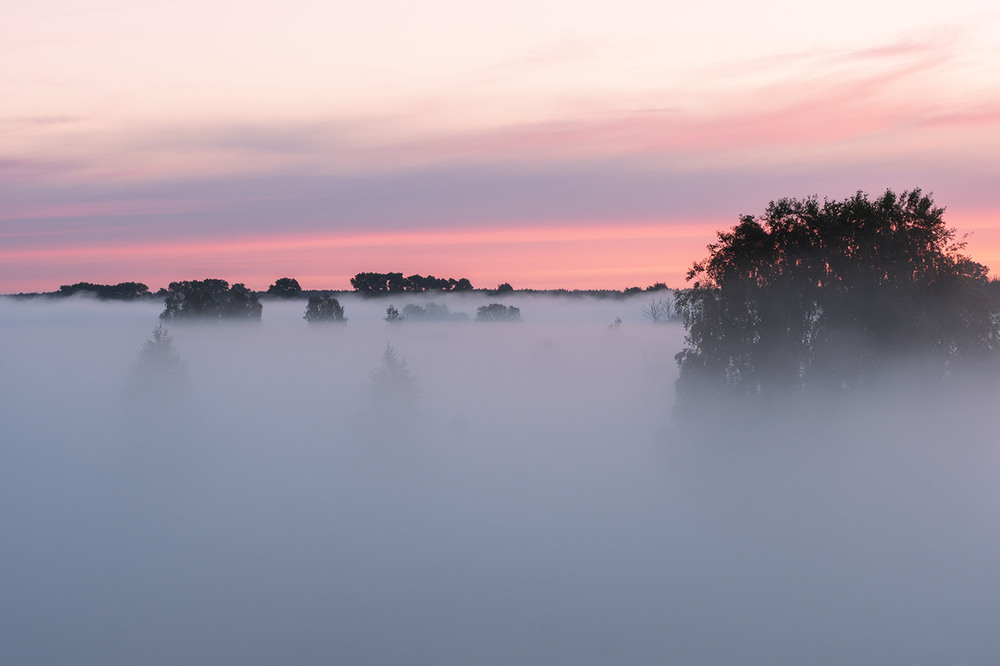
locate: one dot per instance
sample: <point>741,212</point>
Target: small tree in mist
<point>431,312</point>
<point>498,312</point>
<point>324,309</point>
<point>392,315</point>
<point>821,295</point>
<point>159,368</point>
<point>392,394</point>
<point>658,310</point>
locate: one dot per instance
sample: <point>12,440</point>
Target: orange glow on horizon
<point>569,257</point>
<point>563,256</point>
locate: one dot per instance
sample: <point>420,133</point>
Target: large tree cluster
<point>210,299</point>
<point>828,294</point>
<point>377,284</point>
<point>123,291</point>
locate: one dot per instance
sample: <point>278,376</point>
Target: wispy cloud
<point>8,123</point>
<point>567,48</point>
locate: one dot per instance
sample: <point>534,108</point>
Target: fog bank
<point>532,502</point>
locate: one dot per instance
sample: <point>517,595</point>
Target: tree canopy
<point>377,284</point>
<point>813,294</point>
<point>123,291</point>
<point>158,372</point>
<point>498,312</point>
<point>324,308</point>
<point>210,299</point>
<point>285,288</point>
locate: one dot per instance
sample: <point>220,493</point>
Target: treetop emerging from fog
<point>378,284</point>
<point>820,294</point>
<point>210,299</point>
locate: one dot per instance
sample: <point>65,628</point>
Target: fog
<point>531,502</point>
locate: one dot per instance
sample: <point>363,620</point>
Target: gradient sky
<point>556,144</point>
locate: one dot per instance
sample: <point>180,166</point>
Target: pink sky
<point>569,146</point>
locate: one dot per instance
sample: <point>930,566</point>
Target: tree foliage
<point>379,284</point>
<point>498,312</point>
<point>285,288</point>
<point>658,310</point>
<point>159,368</point>
<point>392,315</point>
<point>210,299</point>
<point>431,312</point>
<point>123,291</point>
<point>324,309</point>
<point>815,294</point>
<point>392,390</point>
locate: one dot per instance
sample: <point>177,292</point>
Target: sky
<point>550,145</point>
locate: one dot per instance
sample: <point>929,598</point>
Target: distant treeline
<point>366,284</point>
<point>377,284</point>
<point>123,291</point>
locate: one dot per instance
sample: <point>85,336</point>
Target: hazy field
<point>536,507</point>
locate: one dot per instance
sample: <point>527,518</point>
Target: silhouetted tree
<point>431,312</point>
<point>503,288</point>
<point>285,288</point>
<point>242,304</point>
<point>498,312</point>
<point>324,309</point>
<point>123,291</point>
<point>210,299</point>
<point>658,310</point>
<point>392,315</point>
<point>191,299</point>
<point>817,294</point>
<point>377,284</point>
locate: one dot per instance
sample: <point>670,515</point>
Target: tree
<point>393,399</point>
<point>241,304</point>
<point>159,367</point>
<point>497,312</point>
<point>324,309</point>
<point>378,284</point>
<point>285,288</point>
<point>658,310</point>
<point>431,312</point>
<point>192,299</point>
<point>210,299</point>
<point>123,291</point>
<point>392,315</point>
<point>824,295</point>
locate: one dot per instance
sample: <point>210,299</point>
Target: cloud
<point>14,123</point>
<point>567,48</point>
